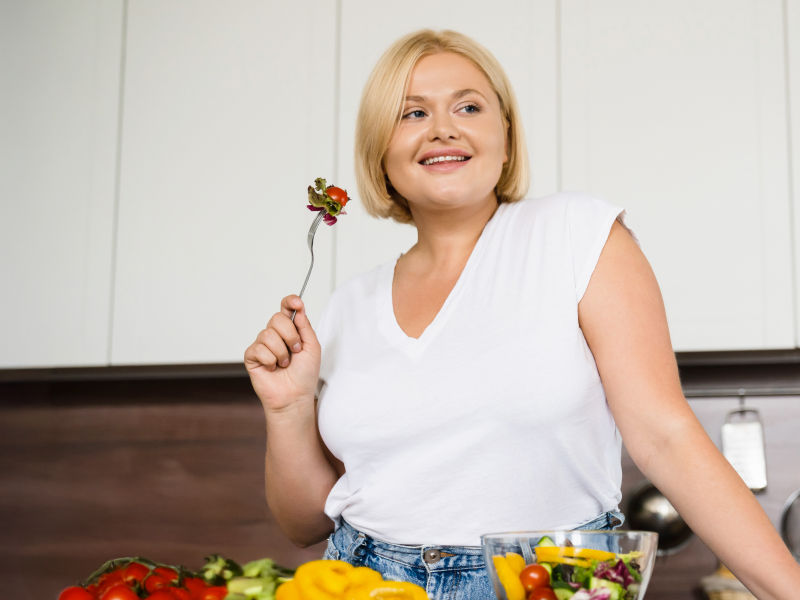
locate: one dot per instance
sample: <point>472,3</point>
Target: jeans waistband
<point>356,538</point>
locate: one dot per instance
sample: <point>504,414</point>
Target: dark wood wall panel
<point>173,470</point>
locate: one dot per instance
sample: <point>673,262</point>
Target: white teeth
<point>435,159</point>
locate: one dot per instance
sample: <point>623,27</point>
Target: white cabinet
<point>59,98</point>
<point>676,110</point>
<point>793,55</point>
<point>228,117</point>
<point>520,33</point>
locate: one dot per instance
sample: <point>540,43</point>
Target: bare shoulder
<point>623,319</point>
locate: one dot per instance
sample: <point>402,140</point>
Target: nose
<point>442,126</point>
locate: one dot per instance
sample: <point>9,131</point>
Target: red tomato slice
<point>337,195</point>
<point>75,593</point>
<point>534,576</point>
<point>543,593</point>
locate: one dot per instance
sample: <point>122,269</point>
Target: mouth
<point>443,159</point>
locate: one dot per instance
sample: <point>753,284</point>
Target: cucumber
<point>545,541</point>
<point>563,593</point>
<point>616,589</point>
<point>547,567</point>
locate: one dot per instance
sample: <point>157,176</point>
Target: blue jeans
<point>445,572</point>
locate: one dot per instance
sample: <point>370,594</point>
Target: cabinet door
<point>523,40</point>
<point>793,56</point>
<point>228,117</point>
<point>59,100</point>
<point>676,110</point>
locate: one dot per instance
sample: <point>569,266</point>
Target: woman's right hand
<point>281,378</point>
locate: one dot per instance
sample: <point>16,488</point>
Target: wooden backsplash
<point>173,470</point>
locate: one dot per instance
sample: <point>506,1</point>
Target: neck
<point>447,237</point>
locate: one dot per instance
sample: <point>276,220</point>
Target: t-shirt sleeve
<point>589,220</point>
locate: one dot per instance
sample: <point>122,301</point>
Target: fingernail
<point>284,362</point>
<point>297,347</point>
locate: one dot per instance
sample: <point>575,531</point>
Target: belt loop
<point>527,552</point>
<point>357,547</point>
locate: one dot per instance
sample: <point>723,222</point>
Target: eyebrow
<point>456,95</point>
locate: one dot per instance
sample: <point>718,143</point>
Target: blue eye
<point>471,109</point>
<point>416,114</point>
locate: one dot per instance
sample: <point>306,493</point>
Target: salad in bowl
<point>570,565</point>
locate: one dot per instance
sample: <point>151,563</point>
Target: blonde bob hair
<point>381,110</point>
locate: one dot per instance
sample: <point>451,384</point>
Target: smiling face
<point>451,144</point>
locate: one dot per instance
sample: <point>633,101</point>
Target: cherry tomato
<point>119,592</point>
<point>534,576</point>
<point>161,594</point>
<point>134,572</point>
<point>337,195</point>
<point>195,585</point>
<point>543,593</point>
<point>92,589</point>
<point>167,573</point>
<point>180,593</point>
<point>108,581</point>
<point>155,582</point>
<point>75,593</point>
<point>214,593</point>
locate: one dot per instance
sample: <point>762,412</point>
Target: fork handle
<point>311,233</point>
<point>305,283</point>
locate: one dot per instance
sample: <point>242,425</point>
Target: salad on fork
<point>329,202</point>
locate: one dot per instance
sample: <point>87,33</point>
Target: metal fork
<point>311,232</point>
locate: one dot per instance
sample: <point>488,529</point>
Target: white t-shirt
<point>495,419</point>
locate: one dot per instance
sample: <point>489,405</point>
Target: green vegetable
<point>218,570</point>
<point>546,541</point>
<point>617,590</point>
<point>563,593</point>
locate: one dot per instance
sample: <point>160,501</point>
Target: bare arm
<point>623,319</point>
<point>299,474</point>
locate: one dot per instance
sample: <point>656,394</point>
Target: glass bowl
<point>607,565</point>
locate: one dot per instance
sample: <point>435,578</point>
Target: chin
<point>449,198</point>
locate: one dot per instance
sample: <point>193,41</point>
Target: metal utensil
<point>649,510</point>
<point>311,232</point>
<point>743,446</point>
<point>790,524</point>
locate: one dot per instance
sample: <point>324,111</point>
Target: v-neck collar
<point>387,321</point>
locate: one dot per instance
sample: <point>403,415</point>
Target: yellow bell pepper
<point>287,591</point>
<point>387,590</point>
<point>508,579</point>
<point>578,562</point>
<point>338,580</point>
<point>589,553</point>
<point>516,562</point>
<point>323,579</point>
<point>363,576</point>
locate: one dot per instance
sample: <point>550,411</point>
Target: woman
<point>481,381</point>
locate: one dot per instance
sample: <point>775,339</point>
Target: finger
<point>266,357</point>
<point>277,347</point>
<point>290,304</point>
<point>303,326</point>
<point>286,329</point>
